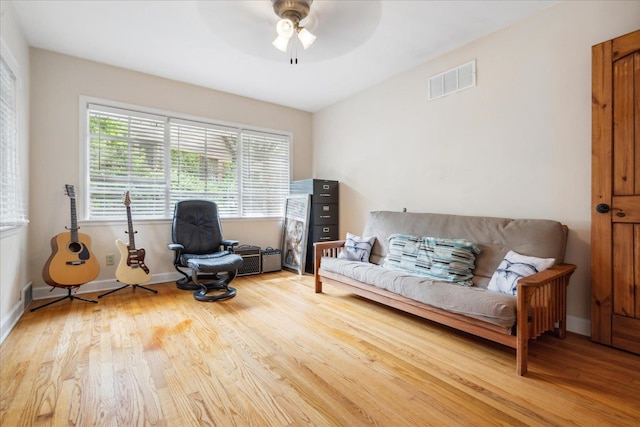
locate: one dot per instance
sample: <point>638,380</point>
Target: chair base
<point>219,285</point>
<point>226,292</point>
<point>186,283</point>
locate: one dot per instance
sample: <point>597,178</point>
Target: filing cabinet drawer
<point>325,233</point>
<point>324,214</point>
<point>322,190</point>
<point>325,191</point>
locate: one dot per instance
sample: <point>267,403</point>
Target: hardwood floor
<point>280,355</point>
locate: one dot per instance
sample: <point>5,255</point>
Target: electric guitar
<point>71,262</point>
<point>131,270</point>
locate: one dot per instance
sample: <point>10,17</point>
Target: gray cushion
<point>495,236</point>
<point>224,261</point>
<point>493,307</point>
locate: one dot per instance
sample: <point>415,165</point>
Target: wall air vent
<point>452,81</point>
<point>27,295</point>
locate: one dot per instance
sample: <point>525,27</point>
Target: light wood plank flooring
<point>280,355</point>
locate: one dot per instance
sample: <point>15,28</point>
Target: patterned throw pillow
<point>449,260</point>
<point>513,267</point>
<point>357,248</point>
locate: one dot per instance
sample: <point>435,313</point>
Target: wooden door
<point>615,220</point>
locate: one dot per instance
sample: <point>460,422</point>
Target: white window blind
<point>126,153</point>
<point>265,173</point>
<point>204,165</point>
<point>12,212</point>
<point>163,159</point>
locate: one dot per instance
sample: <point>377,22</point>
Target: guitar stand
<point>126,286</point>
<point>69,296</point>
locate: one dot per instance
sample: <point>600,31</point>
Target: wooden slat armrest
<point>547,275</point>
<point>321,249</point>
<point>320,246</point>
<point>541,306</point>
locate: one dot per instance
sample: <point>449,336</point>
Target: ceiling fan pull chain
<point>294,53</point>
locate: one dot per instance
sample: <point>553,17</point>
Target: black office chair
<point>198,245</point>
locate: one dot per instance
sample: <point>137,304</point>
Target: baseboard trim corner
<point>579,325</point>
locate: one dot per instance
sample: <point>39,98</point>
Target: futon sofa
<point>401,273</point>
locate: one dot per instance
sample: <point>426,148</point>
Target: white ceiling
<point>226,45</point>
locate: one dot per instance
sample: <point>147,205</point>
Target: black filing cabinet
<point>323,221</point>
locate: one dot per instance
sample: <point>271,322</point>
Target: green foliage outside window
<point>127,153</point>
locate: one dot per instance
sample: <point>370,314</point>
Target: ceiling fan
<point>291,12</point>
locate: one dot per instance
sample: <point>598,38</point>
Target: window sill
<point>12,230</point>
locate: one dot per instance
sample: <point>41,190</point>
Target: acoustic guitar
<point>131,270</point>
<point>71,262</point>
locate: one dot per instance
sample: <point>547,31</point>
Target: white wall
<point>13,245</point>
<point>517,145</point>
<point>57,82</point>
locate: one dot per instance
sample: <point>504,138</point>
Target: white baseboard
<point>47,291</point>
<point>9,321</point>
<point>579,325</point>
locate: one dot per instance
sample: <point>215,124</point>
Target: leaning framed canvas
<point>295,229</point>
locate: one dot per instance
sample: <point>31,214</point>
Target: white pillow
<point>513,267</point>
<point>357,248</point>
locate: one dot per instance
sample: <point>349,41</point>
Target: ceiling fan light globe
<point>306,38</point>
<point>285,28</point>
<point>281,43</point>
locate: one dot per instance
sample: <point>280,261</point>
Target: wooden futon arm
<point>542,302</point>
<point>330,249</point>
<point>546,276</point>
<point>320,246</point>
<point>541,307</point>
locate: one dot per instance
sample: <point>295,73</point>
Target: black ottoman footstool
<point>222,270</point>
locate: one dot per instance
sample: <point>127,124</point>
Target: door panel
<point>626,209</point>
<point>623,288</point>
<point>615,226</point>
<point>627,336</point>
<point>623,129</point>
<point>636,268</point>
<point>601,171</point>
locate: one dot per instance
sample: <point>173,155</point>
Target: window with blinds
<point>12,212</point>
<point>126,152</point>
<point>264,174</point>
<point>162,159</point>
<point>204,164</point>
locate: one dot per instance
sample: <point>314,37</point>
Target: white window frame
<point>13,217</point>
<point>84,105</point>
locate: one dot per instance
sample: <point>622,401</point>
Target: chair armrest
<point>541,307</point>
<point>328,248</point>
<point>226,244</point>
<point>546,276</point>
<point>175,246</point>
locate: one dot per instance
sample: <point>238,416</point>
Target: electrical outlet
<point>110,259</point>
